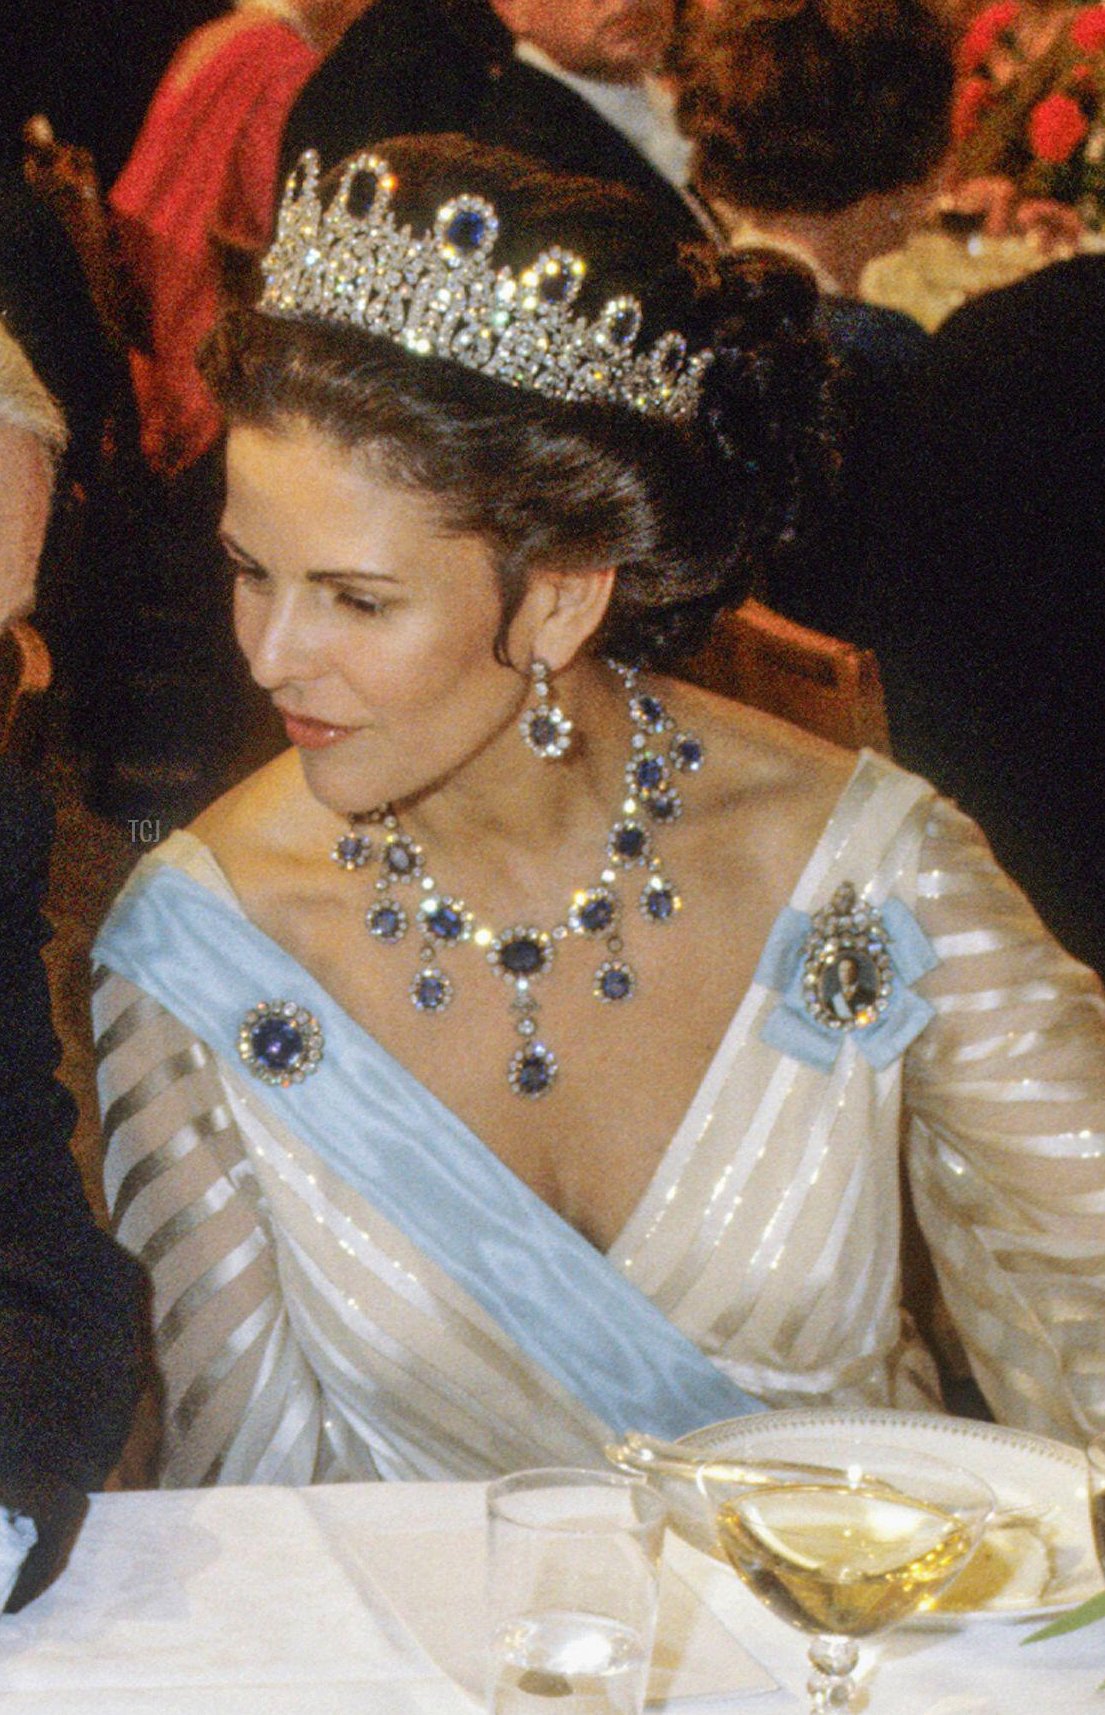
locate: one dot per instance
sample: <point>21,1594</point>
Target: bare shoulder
<point>770,787</point>
<point>761,758</point>
<point>268,819</point>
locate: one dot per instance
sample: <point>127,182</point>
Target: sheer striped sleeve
<point>1005,1106</point>
<point>240,1402</point>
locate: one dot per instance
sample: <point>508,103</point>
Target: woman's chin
<point>337,786</point>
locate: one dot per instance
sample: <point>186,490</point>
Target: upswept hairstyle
<point>685,513</point>
<point>807,106</point>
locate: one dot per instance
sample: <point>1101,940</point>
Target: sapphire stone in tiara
<point>439,294</point>
<point>467,229</point>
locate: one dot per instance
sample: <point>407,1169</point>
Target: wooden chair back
<point>820,683</point>
<point>25,669</point>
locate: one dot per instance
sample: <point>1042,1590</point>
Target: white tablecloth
<point>312,1602</point>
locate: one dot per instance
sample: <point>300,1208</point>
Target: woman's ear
<point>560,613</point>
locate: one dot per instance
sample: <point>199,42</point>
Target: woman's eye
<point>359,603</point>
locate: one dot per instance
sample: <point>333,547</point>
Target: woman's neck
<point>526,806</point>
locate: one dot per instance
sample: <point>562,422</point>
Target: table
<point>271,1601</point>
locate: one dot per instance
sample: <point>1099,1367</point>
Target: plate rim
<point>970,1428</point>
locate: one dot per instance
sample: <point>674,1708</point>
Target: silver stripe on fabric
<point>185,1221</point>
<point>200,1130</point>
<point>235,1345</point>
<point>154,1083</point>
<point>142,1010</point>
<point>213,1280</point>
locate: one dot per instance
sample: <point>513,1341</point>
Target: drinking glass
<point>843,1539</point>
<point>573,1575</point>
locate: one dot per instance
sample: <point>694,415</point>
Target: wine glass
<point>843,1538</point>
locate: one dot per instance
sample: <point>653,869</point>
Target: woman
<point>422,1206</point>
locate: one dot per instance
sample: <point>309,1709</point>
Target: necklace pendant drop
<point>523,954</point>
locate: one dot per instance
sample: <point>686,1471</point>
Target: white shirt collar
<point>643,112</point>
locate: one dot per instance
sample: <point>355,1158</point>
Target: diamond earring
<point>545,728</point>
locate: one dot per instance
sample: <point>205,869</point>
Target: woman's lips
<point>308,734</point>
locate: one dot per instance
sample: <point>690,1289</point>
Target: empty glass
<point>573,1576</point>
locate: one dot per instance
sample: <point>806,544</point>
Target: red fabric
<point>204,165</point>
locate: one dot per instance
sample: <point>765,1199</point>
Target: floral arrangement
<point>1036,118</point>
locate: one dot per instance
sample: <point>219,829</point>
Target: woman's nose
<point>277,641</point>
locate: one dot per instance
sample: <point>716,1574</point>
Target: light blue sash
<point>559,1299</point>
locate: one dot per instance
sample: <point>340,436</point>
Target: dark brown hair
<point>684,513</point>
<point>807,106</point>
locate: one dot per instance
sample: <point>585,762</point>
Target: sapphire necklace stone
<point>523,955</point>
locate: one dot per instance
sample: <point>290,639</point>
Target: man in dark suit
<point>529,74</point>
<point>70,1301</point>
<point>990,579</point>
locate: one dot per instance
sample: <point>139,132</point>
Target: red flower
<point>983,34</point>
<point>1056,126</point>
<point>1087,31</point>
<point>971,101</point>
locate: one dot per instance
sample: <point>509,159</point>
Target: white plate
<point>1045,1566</point>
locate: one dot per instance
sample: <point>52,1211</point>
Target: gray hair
<point>25,403</point>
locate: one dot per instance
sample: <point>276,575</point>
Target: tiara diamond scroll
<point>441,295</point>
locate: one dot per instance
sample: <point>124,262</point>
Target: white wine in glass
<point>843,1556</point>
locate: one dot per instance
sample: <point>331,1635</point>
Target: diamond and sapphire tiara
<point>440,295</point>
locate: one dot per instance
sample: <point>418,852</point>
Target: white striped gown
<point>302,1337</point>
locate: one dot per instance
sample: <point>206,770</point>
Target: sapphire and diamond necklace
<point>523,954</point>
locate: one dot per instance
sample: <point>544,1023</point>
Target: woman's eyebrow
<point>235,548</point>
<point>359,574</point>
<point>322,574</point>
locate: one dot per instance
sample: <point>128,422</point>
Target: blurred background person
<point>819,127</point>
<point>574,83</point>
<point>988,575</point>
<point>71,1302</point>
<point>200,184</point>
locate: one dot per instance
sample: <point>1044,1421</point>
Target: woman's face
<point>371,627</point>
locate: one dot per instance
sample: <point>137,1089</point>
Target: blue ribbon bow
<point>792,1027</point>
